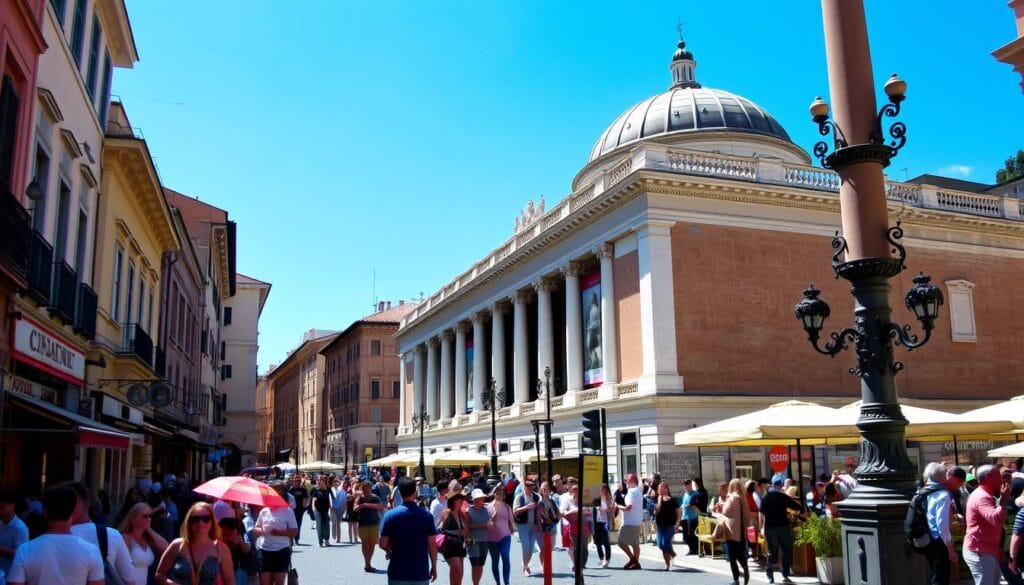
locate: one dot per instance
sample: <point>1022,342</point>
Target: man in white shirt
<point>440,504</point>
<point>57,557</point>
<point>632,518</point>
<point>117,551</point>
<point>13,532</point>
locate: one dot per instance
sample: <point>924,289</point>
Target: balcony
<point>15,234</point>
<point>64,295</point>
<point>40,269</point>
<point>138,343</point>
<point>85,321</point>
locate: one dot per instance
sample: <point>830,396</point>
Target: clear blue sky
<point>403,137</point>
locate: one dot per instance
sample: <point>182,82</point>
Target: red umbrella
<point>242,489</point>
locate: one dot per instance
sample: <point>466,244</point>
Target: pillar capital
<point>499,307</point>
<point>480,317</point>
<point>462,327</point>
<point>520,297</point>
<point>604,251</point>
<point>545,284</point>
<point>447,336</point>
<point>433,341</point>
<point>572,269</point>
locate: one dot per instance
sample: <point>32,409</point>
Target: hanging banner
<point>593,365</point>
<point>469,376</point>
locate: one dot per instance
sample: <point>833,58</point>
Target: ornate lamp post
<point>873,515</point>
<point>492,400</point>
<point>420,420</point>
<point>345,439</point>
<point>547,417</point>
<point>380,440</point>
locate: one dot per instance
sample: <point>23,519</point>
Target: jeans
<point>336,516</point>
<point>298,520</point>
<point>603,541</point>
<point>780,537</point>
<point>665,535</point>
<point>501,548</point>
<point>323,526</point>
<point>690,534</point>
<point>736,553</point>
<point>984,568</point>
<point>938,563</point>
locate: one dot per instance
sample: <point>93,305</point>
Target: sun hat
<point>477,494</point>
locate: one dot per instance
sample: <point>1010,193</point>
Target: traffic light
<point>592,430</point>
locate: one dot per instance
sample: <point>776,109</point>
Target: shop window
<point>961,310</point>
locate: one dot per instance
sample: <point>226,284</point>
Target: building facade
<point>363,387</point>
<point>296,386</point>
<point>264,422</point>
<point>661,289</point>
<point>1012,53</point>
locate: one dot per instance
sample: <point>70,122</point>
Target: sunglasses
<point>197,519</point>
<point>146,516</point>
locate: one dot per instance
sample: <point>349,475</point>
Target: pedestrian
<point>938,508</point>
<point>479,523</point>
<point>632,518</point>
<point>144,544</point>
<point>13,531</point>
<point>776,506</point>
<point>570,511</point>
<point>440,504</point>
<point>737,516</point>
<point>524,512</point>
<point>57,557</point>
<point>339,499</point>
<point>369,507</point>
<point>351,516</point>
<point>499,535</point>
<point>754,495</point>
<point>108,540</point>
<point>241,550</point>
<point>606,511</point>
<point>982,544</point>
<point>455,526</point>
<point>667,515</point>
<point>199,556</point>
<point>407,538</point>
<point>690,514</point>
<point>274,530</point>
<point>718,502</point>
<point>321,505</point>
<point>299,492</point>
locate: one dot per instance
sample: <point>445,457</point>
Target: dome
<point>688,109</point>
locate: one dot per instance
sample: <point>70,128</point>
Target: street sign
<point>778,458</point>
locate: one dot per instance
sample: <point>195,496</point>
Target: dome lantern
<point>682,67</point>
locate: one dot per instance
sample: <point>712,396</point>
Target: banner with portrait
<point>593,360</point>
<point>469,376</point>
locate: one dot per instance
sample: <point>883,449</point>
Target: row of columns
<point>436,385</point>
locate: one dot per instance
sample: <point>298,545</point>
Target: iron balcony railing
<point>40,269</point>
<point>85,321</point>
<point>64,296</point>
<point>138,343</point>
<point>15,234</point>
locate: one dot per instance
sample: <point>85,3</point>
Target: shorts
<point>629,535</point>
<point>369,533</point>
<point>276,561</point>
<point>477,552</point>
<point>527,538</point>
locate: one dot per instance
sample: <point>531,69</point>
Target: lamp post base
<point>874,538</point>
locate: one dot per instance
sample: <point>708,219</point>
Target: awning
<point>156,431</point>
<point>91,433</point>
<point>90,437</point>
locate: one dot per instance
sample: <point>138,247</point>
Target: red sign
<point>778,458</point>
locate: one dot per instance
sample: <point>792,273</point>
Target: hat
<point>477,494</point>
<point>791,491</point>
<point>778,478</point>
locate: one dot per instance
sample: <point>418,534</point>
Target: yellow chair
<point>705,528</point>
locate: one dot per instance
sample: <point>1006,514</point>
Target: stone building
<point>296,385</point>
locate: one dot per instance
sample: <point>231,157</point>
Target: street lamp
<point>492,400</point>
<point>345,438</point>
<point>380,440</point>
<point>547,418</point>
<point>868,254</point>
<point>420,420</point>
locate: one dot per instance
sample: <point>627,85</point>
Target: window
<point>375,390</point>
<point>94,57</point>
<point>556,443</point>
<point>81,243</point>
<point>375,414</point>
<point>115,301</point>
<point>225,372</point>
<point>961,310</point>
<point>375,347</point>
<point>140,313</point>
<point>227,315</point>
<point>104,105</point>
<point>9,104</point>
<point>528,446</point>
<point>223,349</point>
<point>60,234</point>
<point>42,178</point>
<point>59,6</point>
<point>149,311</point>
<point>131,292</point>
<point>396,389</point>
<point>78,31</point>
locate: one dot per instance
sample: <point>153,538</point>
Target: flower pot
<point>830,570</point>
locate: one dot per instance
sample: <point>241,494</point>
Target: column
<point>479,359</point>
<point>402,391</point>
<point>573,328</point>
<point>460,367</point>
<point>447,382</point>
<point>498,343</point>
<point>609,330</point>
<point>657,309</point>
<point>431,387</point>
<point>522,347</point>
<point>545,326</point>
<point>419,377</point>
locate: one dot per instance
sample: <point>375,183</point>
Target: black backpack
<point>915,525</point>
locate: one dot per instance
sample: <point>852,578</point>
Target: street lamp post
<point>873,515</point>
<point>345,438</point>
<point>492,401</point>
<point>420,420</point>
<point>380,440</point>
<point>547,422</point>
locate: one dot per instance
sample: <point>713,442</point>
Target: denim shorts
<point>527,538</point>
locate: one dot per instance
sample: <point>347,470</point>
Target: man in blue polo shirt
<point>407,536</point>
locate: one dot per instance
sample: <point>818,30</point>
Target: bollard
<point>546,553</point>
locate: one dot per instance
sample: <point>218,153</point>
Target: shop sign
<point>20,385</point>
<point>778,458</point>
<point>35,346</point>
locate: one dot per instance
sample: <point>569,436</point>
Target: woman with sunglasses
<point>274,530</point>
<point>198,557</point>
<point>144,544</point>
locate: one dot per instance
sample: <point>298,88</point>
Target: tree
<point>1013,168</point>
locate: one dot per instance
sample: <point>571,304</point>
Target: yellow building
<point>134,229</point>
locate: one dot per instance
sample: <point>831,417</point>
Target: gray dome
<point>688,109</point>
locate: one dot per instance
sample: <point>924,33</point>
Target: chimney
<point>389,305</point>
<point>401,302</point>
<point>380,306</point>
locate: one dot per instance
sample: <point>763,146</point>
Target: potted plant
<point>826,536</point>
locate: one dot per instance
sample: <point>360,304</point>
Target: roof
<point>243,279</point>
<point>319,342</point>
<point>264,287</point>
<point>392,316</point>
<point>950,183</point>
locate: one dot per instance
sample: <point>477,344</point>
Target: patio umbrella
<point>243,490</point>
<point>320,466</point>
<point>394,459</point>
<point>1014,450</point>
<point>456,458</point>
<point>792,422</point>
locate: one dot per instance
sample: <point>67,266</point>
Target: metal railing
<point>15,234</point>
<point>40,269</point>
<point>138,343</point>
<point>64,296</point>
<point>85,321</point>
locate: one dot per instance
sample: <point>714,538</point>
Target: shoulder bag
<point>110,574</point>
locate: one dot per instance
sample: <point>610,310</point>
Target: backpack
<point>524,517</point>
<point>915,525</point>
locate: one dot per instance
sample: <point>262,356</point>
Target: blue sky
<point>402,138</point>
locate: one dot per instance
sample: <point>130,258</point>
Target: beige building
<point>1012,53</point>
<point>296,385</point>
<point>264,422</point>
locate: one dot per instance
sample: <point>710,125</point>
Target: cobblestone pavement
<point>342,564</point>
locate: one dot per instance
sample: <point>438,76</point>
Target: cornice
<point>131,157</point>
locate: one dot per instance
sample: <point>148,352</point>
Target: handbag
<point>751,535</point>
<point>293,576</point>
<point>721,532</point>
<point>439,540</point>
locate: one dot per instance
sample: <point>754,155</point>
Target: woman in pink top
<point>499,534</point>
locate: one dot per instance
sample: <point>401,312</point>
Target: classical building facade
<point>1012,53</point>
<point>296,385</point>
<point>363,387</point>
<point>662,290</point>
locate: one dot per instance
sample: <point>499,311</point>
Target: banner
<point>593,365</point>
<point>469,376</point>
<point>591,478</point>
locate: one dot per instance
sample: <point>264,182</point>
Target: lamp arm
<point>838,343</point>
<point>902,335</point>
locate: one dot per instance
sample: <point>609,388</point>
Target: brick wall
<point>627,299</point>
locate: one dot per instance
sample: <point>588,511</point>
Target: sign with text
<point>39,348</point>
<point>778,458</point>
<point>591,478</point>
